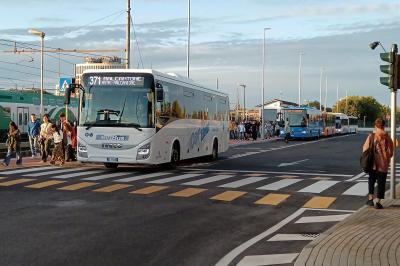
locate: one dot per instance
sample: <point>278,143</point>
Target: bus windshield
<point>297,119</point>
<point>117,106</point>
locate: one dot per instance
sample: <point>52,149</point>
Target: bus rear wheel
<point>111,165</point>
<point>214,153</point>
<point>175,155</point>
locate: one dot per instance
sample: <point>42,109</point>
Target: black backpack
<point>367,157</point>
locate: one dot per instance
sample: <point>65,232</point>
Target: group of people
<point>42,137</point>
<point>244,130</point>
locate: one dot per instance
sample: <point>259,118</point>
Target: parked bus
<point>305,122</point>
<point>329,124</point>
<point>19,105</point>
<point>131,116</point>
<point>353,124</point>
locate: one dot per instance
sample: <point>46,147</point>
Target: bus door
<point>22,115</point>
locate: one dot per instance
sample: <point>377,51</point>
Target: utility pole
<point>128,35</point>
<point>337,97</point>
<point>320,89</point>
<point>326,91</point>
<point>300,54</point>
<point>346,102</point>
<point>262,86</point>
<point>188,43</point>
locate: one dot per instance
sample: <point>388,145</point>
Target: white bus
<point>130,116</point>
<point>346,124</point>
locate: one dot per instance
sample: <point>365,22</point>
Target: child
<point>58,154</point>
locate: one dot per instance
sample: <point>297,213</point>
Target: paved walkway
<point>368,237</point>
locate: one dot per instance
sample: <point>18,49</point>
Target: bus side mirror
<point>159,92</point>
<point>83,99</point>
<point>68,91</point>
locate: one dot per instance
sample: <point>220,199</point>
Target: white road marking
<point>228,258</point>
<point>59,171</point>
<point>207,180</point>
<point>243,182</point>
<point>291,237</point>
<point>36,169</point>
<point>101,177</point>
<point>292,163</point>
<point>322,219</point>
<point>264,172</point>
<point>280,184</point>
<point>140,177</point>
<point>319,186</point>
<point>356,177</point>
<point>172,179</point>
<point>78,174</point>
<point>275,259</point>
<point>359,189</point>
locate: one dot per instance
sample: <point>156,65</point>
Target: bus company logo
<point>112,137</point>
<point>197,136</point>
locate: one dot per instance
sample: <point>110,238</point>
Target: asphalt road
<point>232,212</point>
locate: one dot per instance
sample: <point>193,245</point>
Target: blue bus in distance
<point>305,122</point>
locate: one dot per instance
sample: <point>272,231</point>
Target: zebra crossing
<point>283,185</point>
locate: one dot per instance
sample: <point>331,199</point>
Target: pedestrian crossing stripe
<point>254,175</point>
<point>272,199</point>
<point>112,188</point>
<point>287,176</point>
<point>78,186</point>
<point>319,202</point>
<point>188,192</point>
<point>149,190</point>
<point>45,184</point>
<point>229,195</point>
<point>320,178</point>
<point>15,182</point>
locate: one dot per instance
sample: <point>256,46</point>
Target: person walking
<point>287,130</point>
<point>241,129</point>
<point>382,146</point>
<point>13,144</point>
<point>63,125</point>
<point>33,134</point>
<point>58,151</point>
<point>45,137</point>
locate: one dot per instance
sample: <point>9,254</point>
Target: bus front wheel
<point>111,165</point>
<point>175,155</point>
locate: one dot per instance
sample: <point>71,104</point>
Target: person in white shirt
<point>45,137</point>
<point>242,130</point>
<point>58,151</point>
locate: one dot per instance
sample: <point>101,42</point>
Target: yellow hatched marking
<point>15,182</point>
<point>45,184</point>
<point>78,186</point>
<point>188,192</point>
<point>3,177</point>
<point>149,190</point>
<point>321,178</point>
<point>229,195</point>
<point>112,188</point>
<point>272,199</point>
<point>319,202</point>
<point>254,175</point>
<point>287,176</point>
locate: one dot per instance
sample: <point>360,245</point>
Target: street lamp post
<point>244,99</point>
<point>262,92</point>
<point>320,89</point>
<point>300,54</point>
<point>41,35</point>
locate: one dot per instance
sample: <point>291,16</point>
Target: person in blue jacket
<point>33,134</point>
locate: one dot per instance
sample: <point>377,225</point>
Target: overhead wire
<point>137,43</point>
<point>32,67</point>
<point>21,72</point>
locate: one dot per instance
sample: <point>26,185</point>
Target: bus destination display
<point>96,80</point>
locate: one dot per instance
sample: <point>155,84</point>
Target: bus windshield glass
<point>297,118</point>
<point>116,100</point>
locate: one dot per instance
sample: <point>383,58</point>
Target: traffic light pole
<point>393,102</point>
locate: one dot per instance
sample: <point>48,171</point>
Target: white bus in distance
<point>131,116</point>
<point>345,124</point>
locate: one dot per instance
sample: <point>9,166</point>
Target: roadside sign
<point>64,83</point>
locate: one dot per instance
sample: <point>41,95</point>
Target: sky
<point>226,42</point>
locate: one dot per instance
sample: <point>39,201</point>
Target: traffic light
<point>392,69</point>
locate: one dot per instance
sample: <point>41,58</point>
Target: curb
<point>252,142</point>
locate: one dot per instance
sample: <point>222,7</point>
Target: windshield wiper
<point>89,125</point>
<point>134,125</point>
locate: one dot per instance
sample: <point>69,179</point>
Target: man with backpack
<point>381,149</point>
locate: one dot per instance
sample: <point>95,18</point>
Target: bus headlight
<point>143,152</point>
<point>82,147</point>
<point>304,132</point>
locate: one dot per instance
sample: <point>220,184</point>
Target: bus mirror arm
<point>72,88</point>
<point>159,92</point>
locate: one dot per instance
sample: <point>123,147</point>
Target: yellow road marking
<point>287,176</point>
<point>229,195</point>
<point>188,192</point>
<point>112,188</point>
<point>78,186</point>
<point>15,182</point>
<point>149,190</point>
<point>319,202</point>
<point>254,175</point>
<point>45,184</point>
<point>320,178</point>
<point>3,177</point>
<point>272,199</point>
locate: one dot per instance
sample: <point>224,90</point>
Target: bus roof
<point>158,74</point>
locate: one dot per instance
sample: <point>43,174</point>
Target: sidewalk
<point>368,237</point>
<point>235,142</point>
<point>33,162</point>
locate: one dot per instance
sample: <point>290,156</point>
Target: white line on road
<point>359,189</point>
<point>207,180</point>
<point>274,259</point>
<point>319,186</point>
<point>140,177</point>
<point>356,177</point>
<point>26,170</point>
<point>172,179</point>
<point>54,171</point>
<point>292,163</point>
<point>78,174</point>
<point>322,219</point>
<point>243,182</point>
<point>280,184</point>
<point>291,237</point>
<point>101,177</point>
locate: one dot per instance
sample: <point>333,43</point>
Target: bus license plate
<point>112,159</point>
